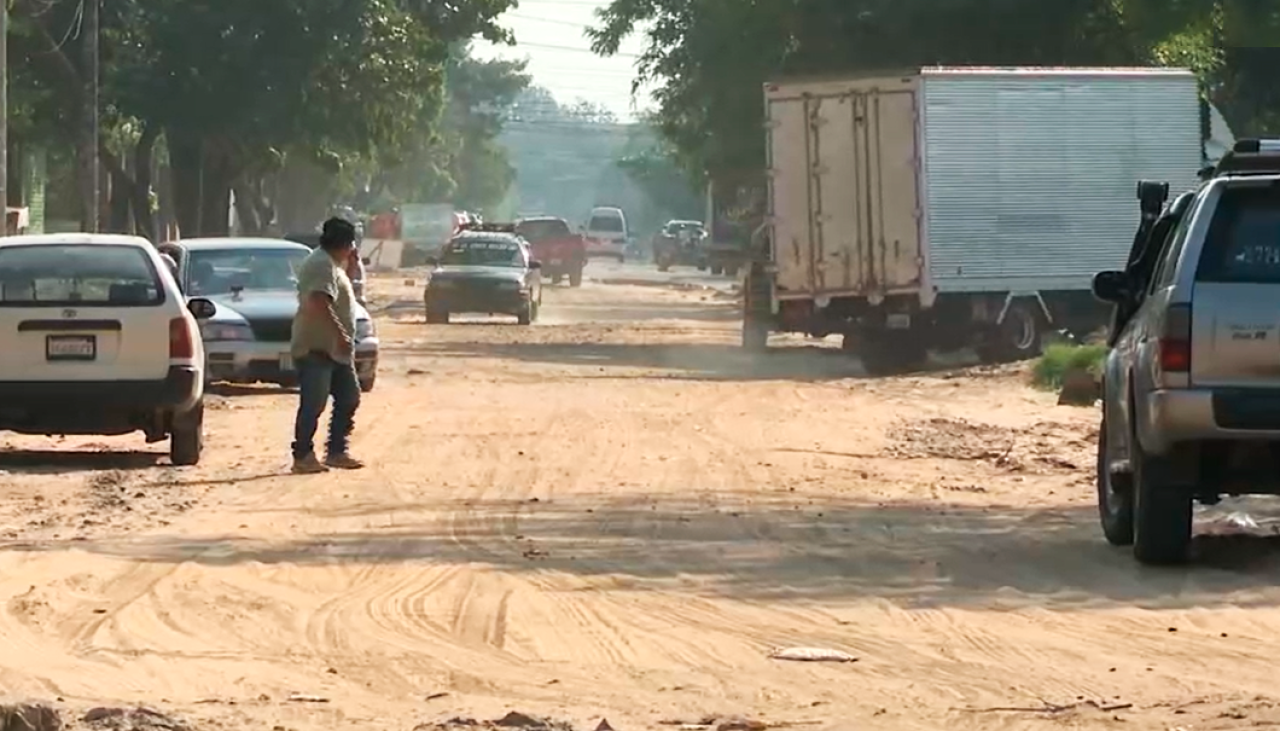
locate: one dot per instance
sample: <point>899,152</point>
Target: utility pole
<point>89,141</point>
<point>4,113</point>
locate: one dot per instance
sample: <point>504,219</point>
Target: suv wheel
<point>186,443</point>
<point>527,313</point>
<point>1115,495</point>
<point>1162,511</point>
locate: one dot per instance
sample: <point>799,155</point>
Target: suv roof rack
<point>495,228</point>
<point>1250,157</point>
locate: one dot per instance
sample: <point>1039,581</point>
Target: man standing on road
<point>323,341</point>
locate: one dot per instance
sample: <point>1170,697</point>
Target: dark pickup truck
<point>561,252</point>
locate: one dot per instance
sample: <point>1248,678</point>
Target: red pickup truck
<point>562,252</point>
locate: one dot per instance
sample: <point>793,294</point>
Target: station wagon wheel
<point>1115,494</point>
<point>186,442</point>
<point>1162,510</point>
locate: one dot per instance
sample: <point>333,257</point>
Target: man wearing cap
<point>323,341</point>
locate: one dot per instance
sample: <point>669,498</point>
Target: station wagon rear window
<point>1243,245</point>
<point>483,252</point>
<point>78,275</point>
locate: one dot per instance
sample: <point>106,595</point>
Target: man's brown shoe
<point>343,462</point>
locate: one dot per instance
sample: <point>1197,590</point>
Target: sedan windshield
<point>227,270</point>
<point>483,254</point>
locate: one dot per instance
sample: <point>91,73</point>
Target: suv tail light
<point>181,339</point>
<point>1174,347</point>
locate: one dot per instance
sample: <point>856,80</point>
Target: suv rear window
<point>535,231</point>
<point>1243,245</point>
<point>77,275</point>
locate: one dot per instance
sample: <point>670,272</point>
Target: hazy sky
<point>549,33</point>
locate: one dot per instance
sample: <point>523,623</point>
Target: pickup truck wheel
<point>557,278</point>
<point>186,442</point>
<point>575,277</point>
<point>1115,494</point>
<point>368,382</point>
<point>527,314</point>
<point>1162,511</point>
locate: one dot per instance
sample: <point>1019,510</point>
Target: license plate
<point>286,362</point>
<point>71,347</point>
<point>556,262</point>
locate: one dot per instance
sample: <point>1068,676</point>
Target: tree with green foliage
<point>710,59</point>
<point>234,88</point>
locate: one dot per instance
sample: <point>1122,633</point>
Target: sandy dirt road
<point>618,514</point>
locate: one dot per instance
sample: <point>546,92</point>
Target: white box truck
<point>958,207</point>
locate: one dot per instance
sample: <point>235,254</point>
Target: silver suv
<point>1191,396</point>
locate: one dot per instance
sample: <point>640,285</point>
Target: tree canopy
<point>237,89</point>
<point>709,58</point>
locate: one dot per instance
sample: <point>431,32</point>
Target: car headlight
<point>364,329</point>
<point>215,332</point>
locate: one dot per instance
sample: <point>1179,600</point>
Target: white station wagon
<point>96,338</point>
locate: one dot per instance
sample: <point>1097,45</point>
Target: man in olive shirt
<point>323,340</point>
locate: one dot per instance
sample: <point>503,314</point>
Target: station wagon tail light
<point>181,339</point>
<point>1175,340</point>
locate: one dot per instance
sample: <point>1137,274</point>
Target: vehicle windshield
<point>535,231</point>
<point>1243,245</point>
<point>71,275</point>
<point>252,270</point>
<point>610,224</point>
<point>483,253</point>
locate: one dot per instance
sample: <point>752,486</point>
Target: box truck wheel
<point>888,353</point>
<point>1018,337</point>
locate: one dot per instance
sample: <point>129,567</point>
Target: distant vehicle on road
<point>561,252</point>
<point>485,269</point>
<point>607,234</point>
<point>98,339</point>
<point>679,243</point>
<point>253,284</point>
<point>1191,385</point>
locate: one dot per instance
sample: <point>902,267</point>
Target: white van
<point>606,233</point>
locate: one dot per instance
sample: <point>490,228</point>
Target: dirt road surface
<point>618,514</point>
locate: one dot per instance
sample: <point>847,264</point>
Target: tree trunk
<point>215,198</point>
<point>118,201</point>
<point>185,163</point>
<point>140,192</point>
<point>246,211</point>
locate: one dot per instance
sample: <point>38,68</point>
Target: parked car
<point>607,234</point>
<point>561,252</point>
<point>252,282</point>
<point>98,339</point>
<point>1191,384</point>
<point>486,269</point>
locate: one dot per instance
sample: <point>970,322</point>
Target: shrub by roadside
<point>1060,359</point>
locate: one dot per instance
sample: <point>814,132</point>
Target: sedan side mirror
<point>201,308</point>
<point>535,265</point>
<point>1111,287</point>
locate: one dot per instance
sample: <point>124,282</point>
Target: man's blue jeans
<point>320,377</point>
